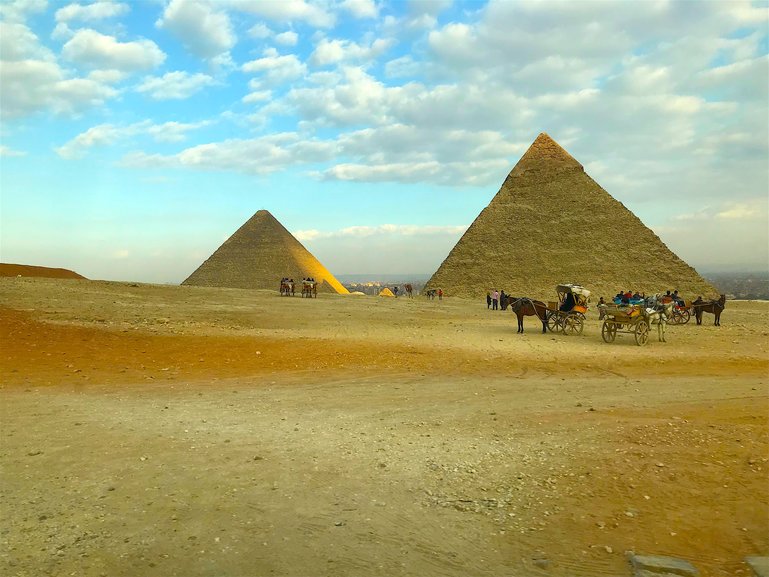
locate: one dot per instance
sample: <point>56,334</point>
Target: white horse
<point>659,313</point>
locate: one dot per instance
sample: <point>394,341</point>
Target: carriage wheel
<point>553,322</point>
<point>609,331</point>
<point>682,317</point>
<point>572,325</point>
<point>641,333</point>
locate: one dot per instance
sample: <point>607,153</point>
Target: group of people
<point>628,297</point>
<point>496,300</point>
<point>308,279</point>
<point>432,293</point>
<point>674,297</point>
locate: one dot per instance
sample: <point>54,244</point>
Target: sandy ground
<point>158,431</point>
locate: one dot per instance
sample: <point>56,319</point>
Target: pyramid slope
<point>258,255</point>
<point>551,223</point>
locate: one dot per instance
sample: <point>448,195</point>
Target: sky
<point>136,136</point>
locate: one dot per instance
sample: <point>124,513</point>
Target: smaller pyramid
<point>258,255</point>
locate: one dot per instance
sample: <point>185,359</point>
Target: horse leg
<point>520,322</point>
<point>717,314</point>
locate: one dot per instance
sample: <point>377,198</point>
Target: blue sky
<point>136,136</point>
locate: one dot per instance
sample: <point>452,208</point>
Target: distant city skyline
<point>135,137</point>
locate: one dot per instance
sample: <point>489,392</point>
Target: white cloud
<point>335,51</point>
<point>288,38</point>
<point>255,156</point>
<point>203,28</point>
<point>741,212</point>
<point>174,85</point>
<point>18,10</point>
<point>363,231</point>
<point>110,134</point>
<point>7,151</point>
<point>357,98</point>
<point>257,96</point>
<point>382,249</point>
<point>173,131</point>
<point>403,67</point>
<point>18,42</point>
<point>287,11</point>
<point>100,135</point>
<point>91,12</point>
<point>274,69</point>
<point>94,50</point>
<point>732,236</point>
<point>260,31</point>
<point>31,86</point>
<point>361,8</point>
<point>107,76</point>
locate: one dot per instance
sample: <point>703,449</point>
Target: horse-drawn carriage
<point>627,319</point>
<point>637,319</point>
<point>287,287</point>
<point>309,288</point>
<point>682,310</point>
<point>567,315</point>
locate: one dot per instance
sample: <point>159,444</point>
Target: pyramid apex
<point>545,152</point>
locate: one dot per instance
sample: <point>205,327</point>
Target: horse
<point>430,294</point>
<point>714,307</point>
<point>526,307</point>
<point>409,289</point>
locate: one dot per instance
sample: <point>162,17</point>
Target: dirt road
<point>153,430</point>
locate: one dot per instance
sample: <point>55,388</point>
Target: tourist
<point>601,308</point>
<point>488,300</point>
<point>495,300</point>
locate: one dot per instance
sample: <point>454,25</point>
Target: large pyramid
<point>258,255</point>
<point>551,223</point>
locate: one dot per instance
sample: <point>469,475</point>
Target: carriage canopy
<point>573,289</point>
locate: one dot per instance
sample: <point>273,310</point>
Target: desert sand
<point>164,430</point>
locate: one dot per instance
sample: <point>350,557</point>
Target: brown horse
<point>714,307</point>
<point>409,289</point>
<point>526,307</point>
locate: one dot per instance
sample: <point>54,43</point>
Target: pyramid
<point>258,255</point>
<point>550,223</point>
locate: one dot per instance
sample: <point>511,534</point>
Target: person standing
<point>601,309</point>
<point>488,300</point>
<point>440,294</point>
<point>495,300</point>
